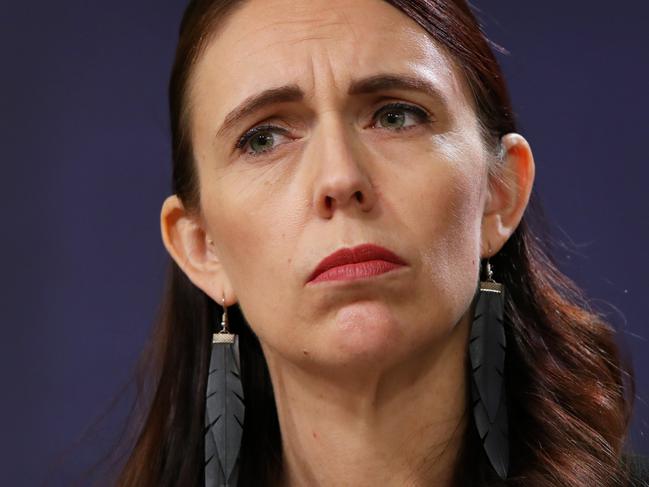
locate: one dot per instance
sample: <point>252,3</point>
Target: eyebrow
<point>363,86</point>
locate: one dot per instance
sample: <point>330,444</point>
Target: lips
<point>355,255</point>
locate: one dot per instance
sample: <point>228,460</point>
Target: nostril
<point>360,197</point>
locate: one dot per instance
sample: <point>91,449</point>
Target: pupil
<point>393,118</point>
<point>262,140</point>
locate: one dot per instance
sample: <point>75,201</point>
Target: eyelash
<point>422,115</point>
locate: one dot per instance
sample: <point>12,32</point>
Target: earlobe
<point>509,193</point>
<point>187,244</point>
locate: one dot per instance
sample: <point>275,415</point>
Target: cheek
<point>248,216</point>
<point>257,237</point>
<point>451,241</point>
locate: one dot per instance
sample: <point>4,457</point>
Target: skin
<point>354,364</point>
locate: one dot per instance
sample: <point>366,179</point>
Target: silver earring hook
<point>488,268</point>
<point>223,335</point>
<point>224,316</point>
<point>489,271</point>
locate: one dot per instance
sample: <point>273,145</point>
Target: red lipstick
<point>355,263</point>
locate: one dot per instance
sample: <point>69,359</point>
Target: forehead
<point>316,44</point>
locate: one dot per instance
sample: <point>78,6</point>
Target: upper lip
<point>360,253</point>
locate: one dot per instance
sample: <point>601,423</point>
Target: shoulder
<point>639,469</point>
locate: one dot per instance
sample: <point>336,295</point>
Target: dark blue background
<point>86,164</point>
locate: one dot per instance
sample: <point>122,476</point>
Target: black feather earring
<point>224,409</point>
<point>487,348</point>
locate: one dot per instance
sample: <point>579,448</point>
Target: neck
<point>400,427</point>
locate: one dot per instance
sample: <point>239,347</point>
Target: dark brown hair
<point>570,394</point>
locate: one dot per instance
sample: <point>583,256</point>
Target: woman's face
<point>370,137</point>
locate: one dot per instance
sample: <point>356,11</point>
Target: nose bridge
<point>341,176</point>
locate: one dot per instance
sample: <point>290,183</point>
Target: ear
<point>507,196</point>
<point>189,245</point>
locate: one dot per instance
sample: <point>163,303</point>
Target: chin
<point>364,331</point>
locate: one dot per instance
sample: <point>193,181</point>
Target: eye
<point>399,116</point>
<point>260,139</point>
<point>394,116</point>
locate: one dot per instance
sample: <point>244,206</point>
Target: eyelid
<point>245,138</point>
<point>422,114</point>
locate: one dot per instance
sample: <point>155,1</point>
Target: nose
<point>342,180</point>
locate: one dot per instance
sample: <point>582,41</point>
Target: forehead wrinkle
<point>305,33</point>
<point>327,16</point>
<point>300,39</point>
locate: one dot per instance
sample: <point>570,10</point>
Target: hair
<point>570,393</point>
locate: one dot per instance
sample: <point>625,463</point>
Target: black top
<point>639,468</point>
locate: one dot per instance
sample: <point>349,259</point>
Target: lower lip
<point>360,270</point>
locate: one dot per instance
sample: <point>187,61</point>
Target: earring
<point>487,348</point>
<point>224,409</point>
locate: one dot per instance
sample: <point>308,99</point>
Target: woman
<point>357,296</point>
